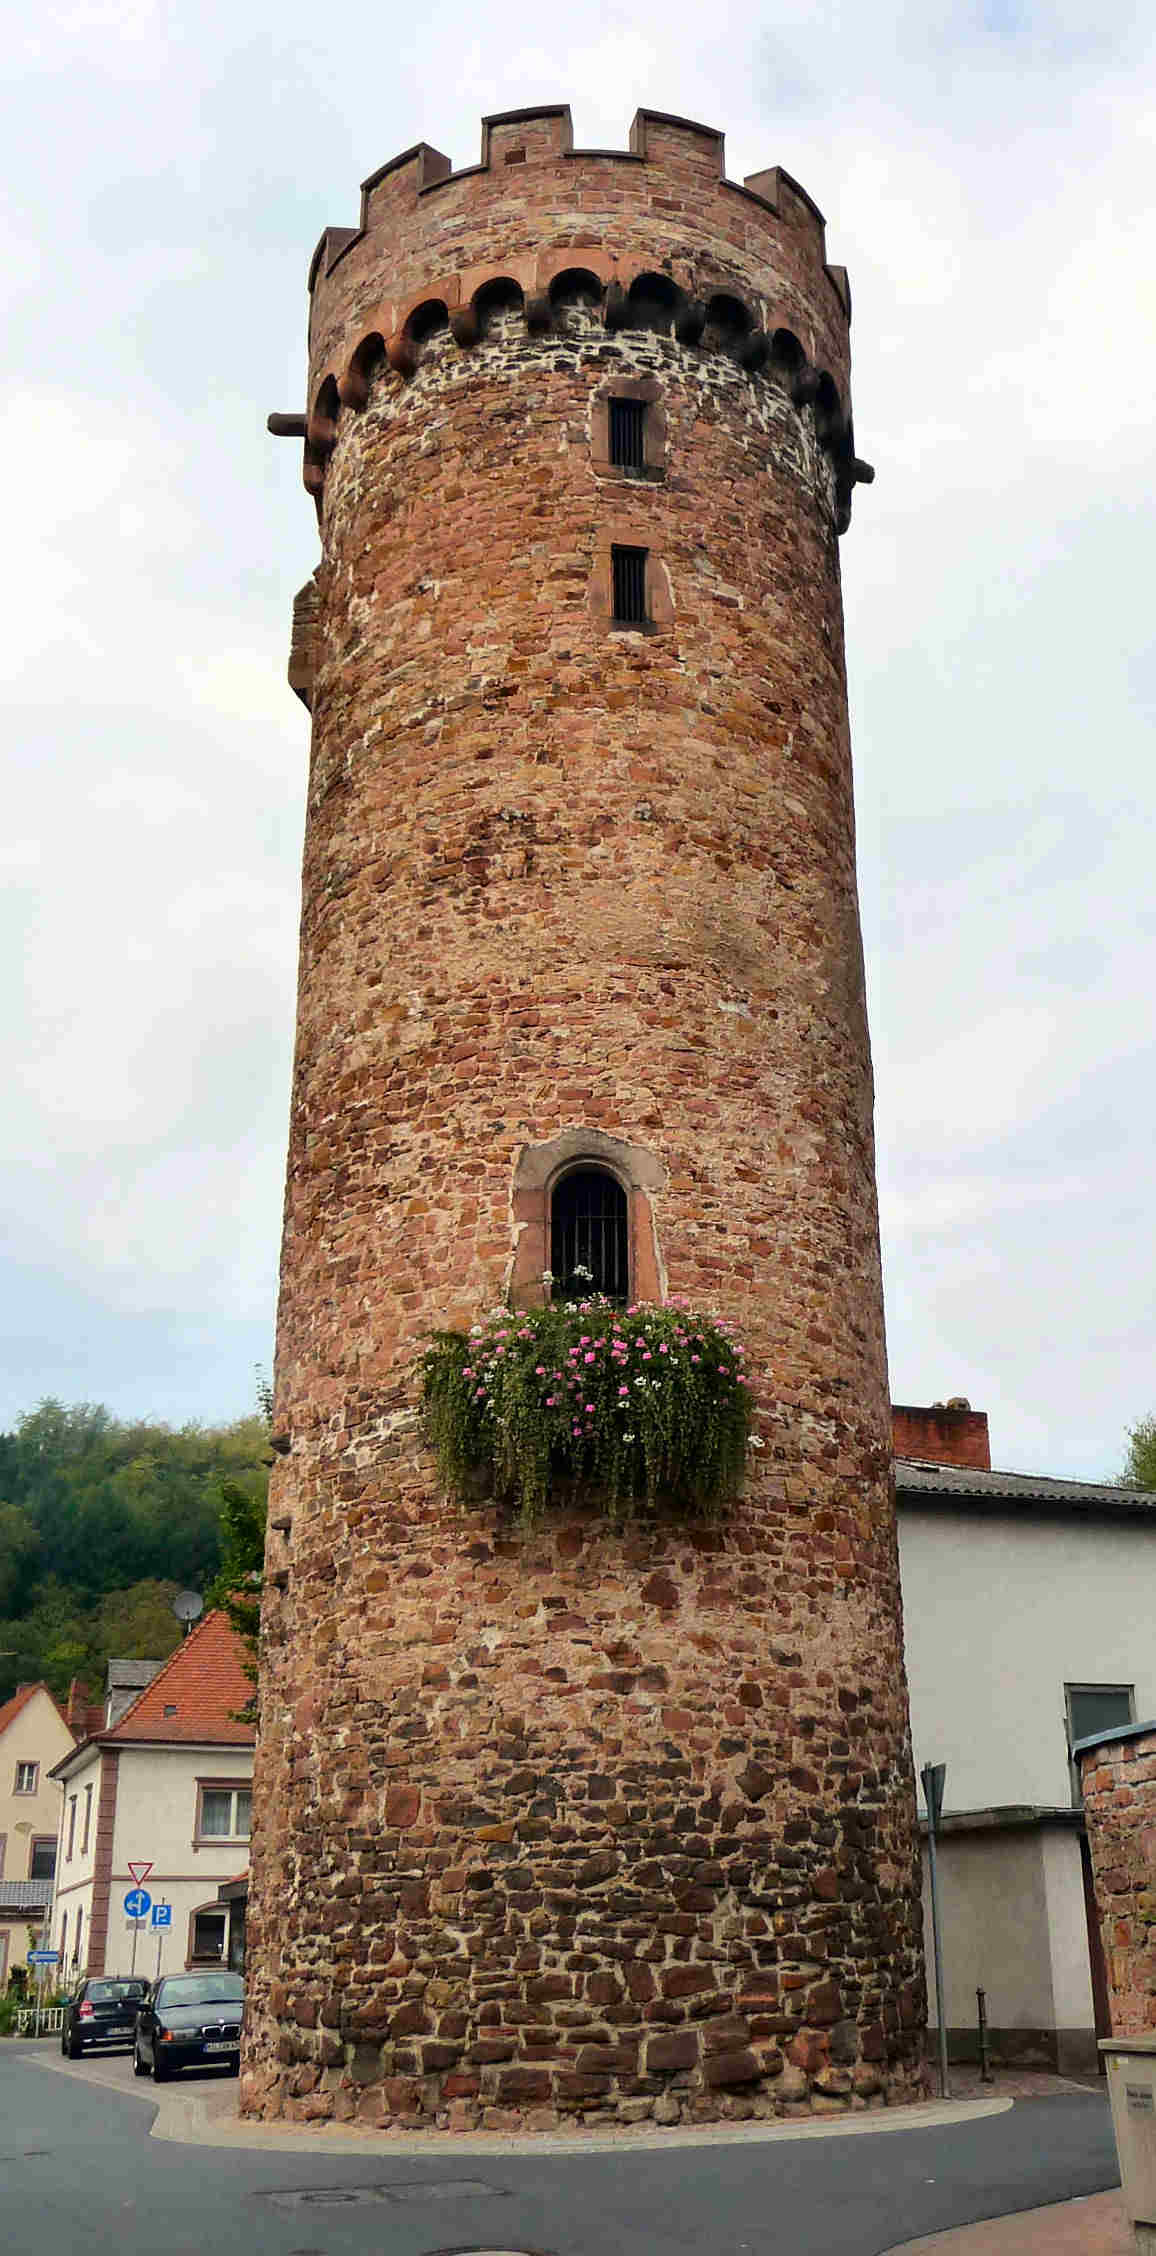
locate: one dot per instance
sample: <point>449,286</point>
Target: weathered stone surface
<point>1119,1783</point>
<point>521,1793</point>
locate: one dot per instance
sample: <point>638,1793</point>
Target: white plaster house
<point>167,1784</point>
<point>33,1737</point>
<point>1029,1622</point>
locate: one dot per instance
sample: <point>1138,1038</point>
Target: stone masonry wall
<point>579,1822</point>
<point>1119,1782</point>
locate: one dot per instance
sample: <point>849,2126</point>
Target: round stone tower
<point>583,1820</point>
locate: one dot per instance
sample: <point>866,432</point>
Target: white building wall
<point>999,1613</point>
<point>156,1812</point>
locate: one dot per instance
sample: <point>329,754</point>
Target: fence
<point>51,2020</point>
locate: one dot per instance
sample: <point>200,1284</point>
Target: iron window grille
<point>629,570</point>
<point>589,1236</point>
<point>627,420</point>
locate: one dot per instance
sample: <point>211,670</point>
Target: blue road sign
<point>162,1915</point>
<point>137,1902</point>
<point>43,1957</point>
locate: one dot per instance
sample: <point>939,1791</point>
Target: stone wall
<point>579,1822</point>
<point>1119,1782</point>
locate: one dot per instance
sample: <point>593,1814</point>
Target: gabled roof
<point>195,1697</point>
<point>920,1481</point>
<point>19,1701</point>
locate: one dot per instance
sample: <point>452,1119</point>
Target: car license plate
<point>231,2044</point>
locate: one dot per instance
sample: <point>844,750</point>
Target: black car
<point>102,2011</point>
<point>189,2018</point>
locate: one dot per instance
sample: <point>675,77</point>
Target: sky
<point>987,174</point>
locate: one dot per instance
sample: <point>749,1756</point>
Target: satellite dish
<point>188,1605</point>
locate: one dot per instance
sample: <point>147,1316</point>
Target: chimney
<point>76,1712</point>
<point>945,1433</point>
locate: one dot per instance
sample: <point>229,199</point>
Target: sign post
<point>162,1922</point>
<point>41,1960</point>
<point>933,1776</point>
<point>136,1905</point>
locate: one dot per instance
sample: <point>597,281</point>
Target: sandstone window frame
<point>539,1168</point>
<point>201,1917</point>
<point>235,1790</point>
<point>647,392</point>
<point>659,603</point>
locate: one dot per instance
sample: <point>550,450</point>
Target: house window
<point>43,1864</point>
<point>63,1937</point>
<point>87,1821</point>
<point>223,1813</point>
<point>1092,1708</point>
<point>589,1234</point>
<point>207,1938</point>
<point>79,1934</point>
<point>628,567</point>
<point>627,433</point>
<point>71,1825</point>
<point>27,1776</point>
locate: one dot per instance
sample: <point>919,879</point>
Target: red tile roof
<point>20,1698</point>
<point>204,1685</point>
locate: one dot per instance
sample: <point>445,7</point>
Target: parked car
<point>189,2018</point>
<point>102,2011</point>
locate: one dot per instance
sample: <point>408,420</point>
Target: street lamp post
<point>932,1776</point>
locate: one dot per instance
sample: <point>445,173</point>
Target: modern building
<point>34,1735</point>
<point>165,1787</point>
<point>1029,1606</point>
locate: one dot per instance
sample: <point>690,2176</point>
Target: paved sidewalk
<point>1097,2227</point>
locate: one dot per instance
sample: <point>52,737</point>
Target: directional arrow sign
<point>137,1902</point>
<point>140,1871</point>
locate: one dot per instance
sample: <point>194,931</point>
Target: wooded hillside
<point>101,1522</point>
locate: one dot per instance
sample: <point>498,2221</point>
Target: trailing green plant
<point>629,1405</point>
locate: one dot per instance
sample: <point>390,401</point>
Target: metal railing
<point>51,2018</point>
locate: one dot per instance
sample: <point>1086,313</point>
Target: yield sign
<point>140,1871</point>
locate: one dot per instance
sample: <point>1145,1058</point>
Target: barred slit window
<point>627,418</point>
<point>589,1237</point>
<point>629,569</point>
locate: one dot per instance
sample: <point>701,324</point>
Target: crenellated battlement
<point>655,236</point>
<point>544,134</point>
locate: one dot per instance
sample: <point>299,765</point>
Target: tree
<point>1140,1464</point>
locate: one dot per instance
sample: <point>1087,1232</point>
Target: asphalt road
<point>79,2172</point>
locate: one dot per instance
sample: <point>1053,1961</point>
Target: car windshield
<point>102,1993</point>
<point>201,1989</point>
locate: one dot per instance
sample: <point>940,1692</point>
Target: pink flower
<point>663,1349</point>
<point>589,1355</point>
<point>480,1396</point>
<point>624,1390</point>
<point>539,1370</point>
<point>590,1409</point>
<point>696,1359</point>
<point>647,1357</point>
<point>550,1401</point>
<point>468,1373</point>
<point>723,1369</point>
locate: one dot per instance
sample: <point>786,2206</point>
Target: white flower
<point>756,1442</point>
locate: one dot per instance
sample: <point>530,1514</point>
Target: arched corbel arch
<point>728,322</point>
<point>655,303</point>
<point>369,357</point>
<point>495,298</point>
<point>575,286</point>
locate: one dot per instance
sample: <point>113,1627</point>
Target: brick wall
<point>942,1435</point>
<point>584,1822</point>
<point>1119,1781</point>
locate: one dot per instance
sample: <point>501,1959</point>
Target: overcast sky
<point>987,175</point>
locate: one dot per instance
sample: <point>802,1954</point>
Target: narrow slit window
<point>589,1237</point>
<point>627,418</point>
<point>629,569</point>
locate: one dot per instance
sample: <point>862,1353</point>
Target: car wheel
<point>139,2067</point>
<point>161,2070</point>
<point>74,2047</point>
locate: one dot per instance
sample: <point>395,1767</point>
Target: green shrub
<point>627,1405</point>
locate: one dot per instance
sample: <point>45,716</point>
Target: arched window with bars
<point>590,1234</point>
